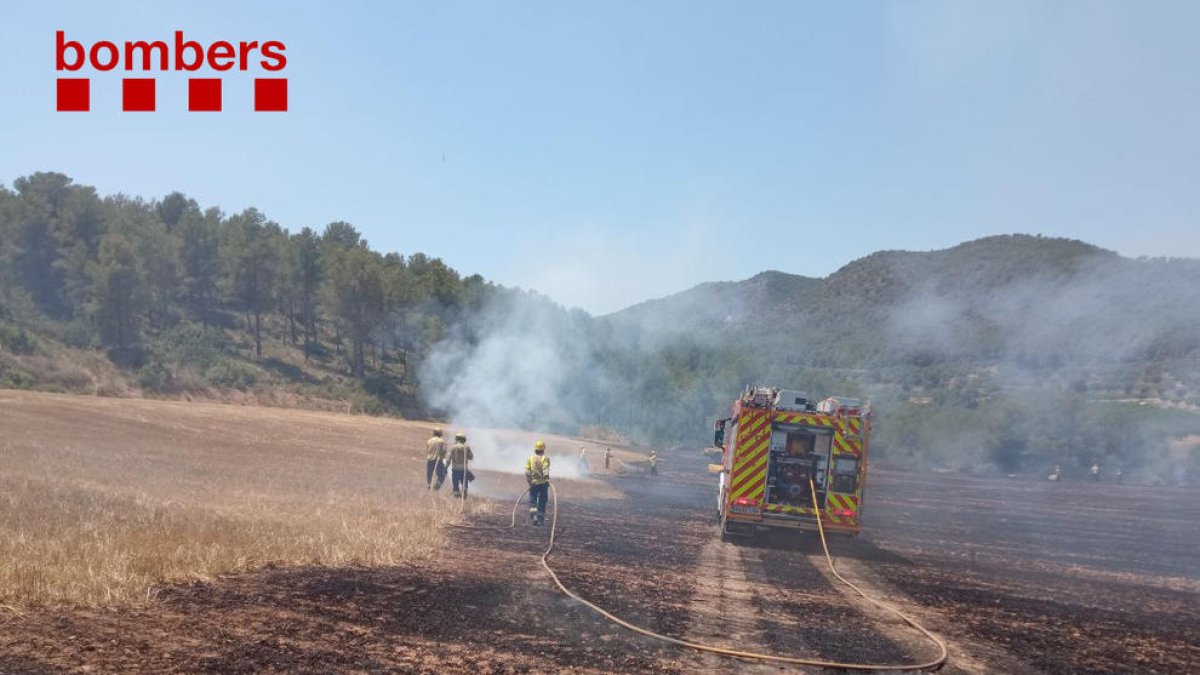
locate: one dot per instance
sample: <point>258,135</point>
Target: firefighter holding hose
<point>537,474</point>
<point>460,455</point>
<point>435,454</point>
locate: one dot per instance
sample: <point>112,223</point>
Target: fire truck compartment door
<point>792,441</point>
<point>845,474</point>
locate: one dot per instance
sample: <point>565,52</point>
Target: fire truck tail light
<point>744,505</point>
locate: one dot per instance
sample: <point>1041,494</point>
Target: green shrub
<point>16,379</point>
<point>192,345</point>
<point>17,340</point>
<point>157,377</point>
<point>371,406</point>
<point>380,386</point>
<point>79,334</point>
<point>230,375</point>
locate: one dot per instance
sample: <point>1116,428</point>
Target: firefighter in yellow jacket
<point>435,454</point>
<point>537,474</point>
<point>460,456</point>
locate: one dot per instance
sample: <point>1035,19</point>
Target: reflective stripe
<point>537,469</point>
<point>840,447</point>
<point>750,466</point>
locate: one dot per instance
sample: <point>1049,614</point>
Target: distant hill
<point>1002,297</point>
<point>974,266</point>
<point>714,305</point>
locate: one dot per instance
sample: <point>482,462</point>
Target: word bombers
<point>138,94</point>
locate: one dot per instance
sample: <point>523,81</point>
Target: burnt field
<point>1015,576</point>
<point>1071,577</point>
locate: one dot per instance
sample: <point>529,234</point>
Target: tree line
<point>116,271</point>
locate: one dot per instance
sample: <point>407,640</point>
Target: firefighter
<point>1095,471</point>
<point>435,455</point>
<point>460,455</point>
<point>653,463</point>
<point>1120,476</point>
<point>537,474</point>
<point>607,457</point>
<point>583,461</point>
<point>1057,473</point>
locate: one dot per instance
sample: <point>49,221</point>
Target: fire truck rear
<point>775,444</point>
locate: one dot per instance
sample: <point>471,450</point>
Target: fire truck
<point>775,444</point>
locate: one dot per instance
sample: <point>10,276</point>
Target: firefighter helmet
<point>539,446</point>
<point>460,436</point>
<point>437,431</point>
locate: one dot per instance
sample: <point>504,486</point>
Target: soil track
<point>1018,576</point>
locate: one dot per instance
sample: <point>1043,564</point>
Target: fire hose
<point>934,664</point>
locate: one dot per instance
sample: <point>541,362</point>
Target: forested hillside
<point>190,301</point>
<point>1034,300</point>
<point>1012,352</point>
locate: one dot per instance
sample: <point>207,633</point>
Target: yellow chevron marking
<point>757,492</point>
<point>751,429</point>
<point>839,445</point>
<point>752,475</point>
<point>746,479</point>
<point>750,453</point>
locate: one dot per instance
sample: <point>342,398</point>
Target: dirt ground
<point>1016,576</point>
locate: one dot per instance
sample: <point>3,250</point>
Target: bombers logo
<point>138,93</point>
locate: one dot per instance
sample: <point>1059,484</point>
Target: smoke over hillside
<point>1017,353</point>
<point>990,354</point>
<point>1103,311</point>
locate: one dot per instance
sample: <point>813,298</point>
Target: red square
<point>74,94</point>
<point>204,94</point>
<point>137,94</point>
<point>270,94</point>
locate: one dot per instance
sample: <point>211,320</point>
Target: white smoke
<point>1099,313</point>
<point>507,452</point>
<point>520,363</point>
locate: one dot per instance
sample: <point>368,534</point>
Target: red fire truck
<point>775,444</point>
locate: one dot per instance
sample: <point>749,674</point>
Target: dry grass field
<point>102,499</point>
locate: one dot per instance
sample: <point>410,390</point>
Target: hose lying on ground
<point>802,661</point>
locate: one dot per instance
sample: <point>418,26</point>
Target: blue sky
<point>608,152</point>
